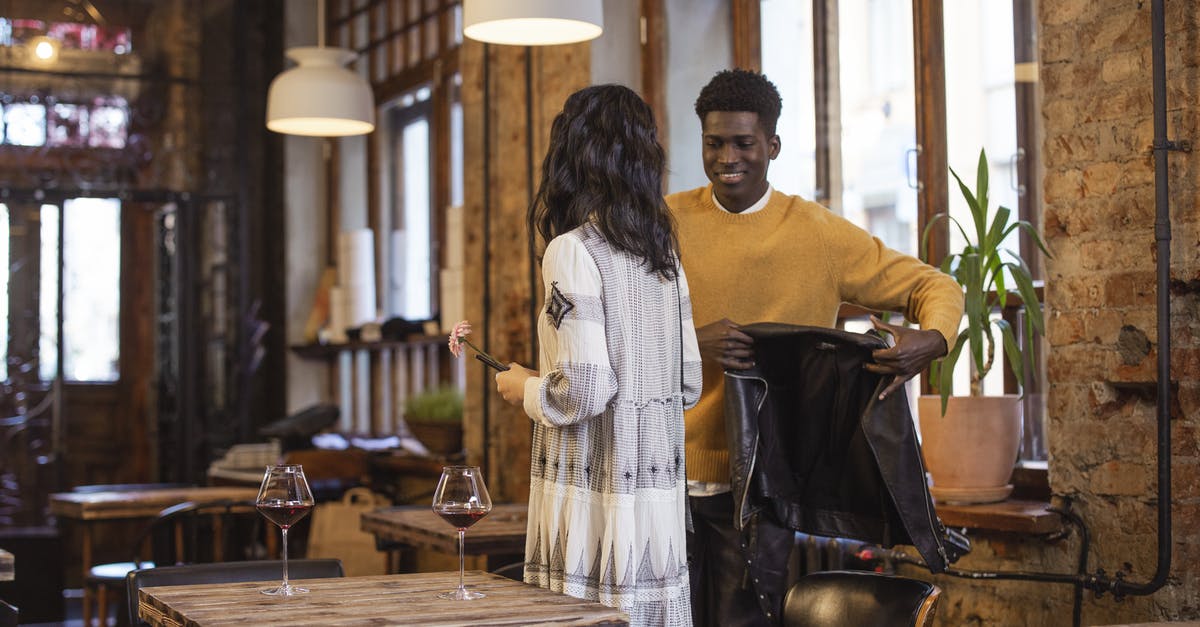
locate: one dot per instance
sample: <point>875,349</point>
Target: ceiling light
<point>44,48</point>
<point>533,22</point>
<point>320,97</point>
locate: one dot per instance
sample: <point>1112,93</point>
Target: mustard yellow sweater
<point>793,261</point>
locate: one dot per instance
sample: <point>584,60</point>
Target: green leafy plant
<point>442,404</point>
<point>980,269</point>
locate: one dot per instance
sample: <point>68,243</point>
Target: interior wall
<point>306,226</point>
<point>616,54</point>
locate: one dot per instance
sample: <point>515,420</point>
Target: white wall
<point>304,191</point>
<point>617,54</point>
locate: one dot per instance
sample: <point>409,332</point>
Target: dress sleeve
<point>577,381</point>
<point>693,376</point>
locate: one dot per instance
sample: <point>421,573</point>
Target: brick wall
<point>1095,74</point>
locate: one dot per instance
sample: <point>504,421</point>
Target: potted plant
<point>970,443</point>
<point>435,418</point>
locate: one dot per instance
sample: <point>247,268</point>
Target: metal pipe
<point>1162,237</point>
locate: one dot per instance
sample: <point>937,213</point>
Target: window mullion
<point>930,88</point>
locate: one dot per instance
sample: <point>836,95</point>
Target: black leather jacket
<point>813,449</point>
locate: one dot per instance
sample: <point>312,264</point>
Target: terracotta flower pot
<point>971,450</point>
<point>440,437</point>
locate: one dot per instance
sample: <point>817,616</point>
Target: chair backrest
<point>861,598</point>
<point>8,615</point>
<point>207,531</point>
<point>225,572</point>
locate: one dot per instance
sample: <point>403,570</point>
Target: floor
<point>73,608</point>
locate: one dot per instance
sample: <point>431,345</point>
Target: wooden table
<point>7,567</point>
<point>502,532</point>
<point>379,600</point>
<point>89,508</point>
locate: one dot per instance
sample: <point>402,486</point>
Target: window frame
<point>932,161</point>
<point>379,31</point>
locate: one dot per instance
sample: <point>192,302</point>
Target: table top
<point>139,503</point>
<point>501,532</point>
<point>7,567</point>
<point>409,599</point>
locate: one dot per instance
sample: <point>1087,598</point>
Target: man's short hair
<point>741,90</point>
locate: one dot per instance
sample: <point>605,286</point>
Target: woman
<point>618,365</point>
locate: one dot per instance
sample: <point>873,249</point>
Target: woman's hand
<point>511,383</point>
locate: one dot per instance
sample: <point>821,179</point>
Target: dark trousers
<point>722,594</point>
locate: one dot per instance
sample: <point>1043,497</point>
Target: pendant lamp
<point>320,97</point>
<point>533,22</point>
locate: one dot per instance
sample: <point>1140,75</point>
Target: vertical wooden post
<point>516,120</point>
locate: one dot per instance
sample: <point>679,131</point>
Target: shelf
<point>1015,516</point>
<point>327,351</point>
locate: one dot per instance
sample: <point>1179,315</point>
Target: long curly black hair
<point>605,163</point>
<point>741,90</point>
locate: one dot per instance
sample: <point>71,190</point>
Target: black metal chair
<point>8,615</point>
<point>224,572</point>
<point>861,598</point>
<point>514,571</point>
<point>180,534</point>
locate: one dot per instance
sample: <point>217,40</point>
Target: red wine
<point>284,513</point>
<point>461,518</point>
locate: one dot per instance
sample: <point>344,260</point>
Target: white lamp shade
<point>320,97</point>
<point>533,22</point>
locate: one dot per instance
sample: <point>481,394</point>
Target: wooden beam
<point>747,34</point>
<point>654,63</point>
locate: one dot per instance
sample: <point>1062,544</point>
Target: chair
<point>860,598</point>
<point>8,615</point>
<point>514,571</point>
<point>224,572</point>
<point>175,536</point>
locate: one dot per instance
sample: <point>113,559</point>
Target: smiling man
<point>753,254</point>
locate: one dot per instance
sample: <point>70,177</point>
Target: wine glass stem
<point>285,573</point>
<point>461,547</point>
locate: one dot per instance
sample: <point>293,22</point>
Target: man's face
<point>736,153</point>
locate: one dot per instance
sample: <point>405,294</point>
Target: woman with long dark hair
<point>618,365</point>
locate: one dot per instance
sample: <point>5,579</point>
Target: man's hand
<point>722,343</point>
<point>912,352</point>
<point>511,383</point>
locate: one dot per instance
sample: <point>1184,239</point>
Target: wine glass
<point>462,500</point>
<point>284,499</point>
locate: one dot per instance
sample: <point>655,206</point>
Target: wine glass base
<point>284,591</point>
<point>461,594</point>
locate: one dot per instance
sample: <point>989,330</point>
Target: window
<point>90,290</point>
<point>409,51</point>
<point>412,256</point>
<point>866,112</point>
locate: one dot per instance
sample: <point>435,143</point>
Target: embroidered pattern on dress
<point>558,305</point>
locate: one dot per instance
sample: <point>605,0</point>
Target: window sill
<point>1011,516</point>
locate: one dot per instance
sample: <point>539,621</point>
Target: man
<point>752,254</point>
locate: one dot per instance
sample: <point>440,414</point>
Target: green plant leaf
<point>946,375</point>
<point>981,189</point>
<point>997,231</point>
<point>1024,281</point>
<point>1012,351</point>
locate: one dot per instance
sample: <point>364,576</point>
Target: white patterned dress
<point>619,363</point>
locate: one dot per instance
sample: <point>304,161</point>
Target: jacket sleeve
<point>577,381</point>
<point>877,277</point>
<point>693,376</point>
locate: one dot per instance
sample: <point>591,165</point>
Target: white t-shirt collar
<point>762,202</point>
